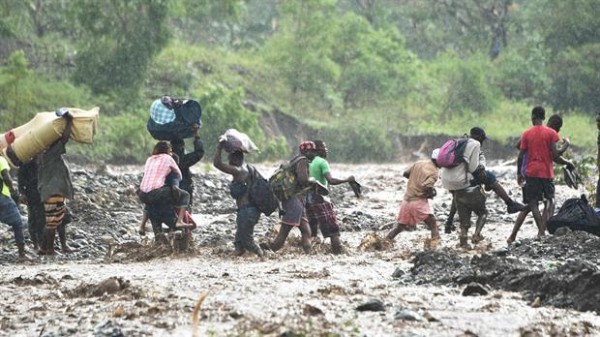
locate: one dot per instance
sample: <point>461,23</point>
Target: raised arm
<point>235,171</point>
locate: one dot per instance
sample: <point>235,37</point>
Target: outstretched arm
<point>335,181</point>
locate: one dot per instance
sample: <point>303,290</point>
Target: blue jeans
<point>9,214</point>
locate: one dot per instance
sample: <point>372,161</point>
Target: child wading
<point>415,208</point>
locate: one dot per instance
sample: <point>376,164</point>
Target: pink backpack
<point>452,152</point>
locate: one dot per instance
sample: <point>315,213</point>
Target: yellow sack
<point>35,136</point>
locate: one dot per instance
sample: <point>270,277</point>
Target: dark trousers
<point>246,219</point>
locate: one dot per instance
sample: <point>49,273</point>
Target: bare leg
<point>62,236</point>
<point>537,216</point>
<point>481,219</point>
<point>548,211</point>
<point>513,206</point>
<point>142,230</point>
<point>432,224</point>
<point>284,231</point>
<point>520,219</point>
<point>336,244</point>
<point>180,213</point>
<point>398,228</point>
<point>305,232</point>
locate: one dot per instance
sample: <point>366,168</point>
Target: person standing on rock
<point>488,179</point>
<point>9,212</point>
<point>153,189</point>
<point>319,208</point>
<point>538,150</point>
<point>187,160</point>
<point>467,198</point>
<point>56,189</point>
<point>247,214</point>
<point>294,212</point>
<point>415,207</point>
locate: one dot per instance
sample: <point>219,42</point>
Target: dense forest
<point>357,72</point>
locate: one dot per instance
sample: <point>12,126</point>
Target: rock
<point>408,315</point>
<point>562,231</point>
<point>311,310</point>
<point>537,302</point>
<point>109,286</point>
<point>398,273</point>
<point>429,317</point>
<point>371,305</point>
<point>475,289</point>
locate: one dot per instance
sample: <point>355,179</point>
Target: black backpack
<point>260,192</point>
<point>576,214</point>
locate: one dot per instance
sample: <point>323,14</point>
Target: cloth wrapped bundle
<point>34,137</point>
<point>237,141</point>
<point>186,114</point>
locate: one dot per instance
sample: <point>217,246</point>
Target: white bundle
<point>237,141</point>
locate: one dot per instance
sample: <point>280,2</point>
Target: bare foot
<point>182,224</point>
<point>477,238</point>
<point>511,239</point>
<point>46,252</point>
<point>68,250</point>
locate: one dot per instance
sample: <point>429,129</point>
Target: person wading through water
<point>319,208</point>
<point>415,208</point>
<point>467,198</point>
<point>153,189</point>
<point>9,212</point>
<point>247,213</point>
<point>294,213</point>
<point>488,179</point>
<point>538,150</point>
<point>56,188</point>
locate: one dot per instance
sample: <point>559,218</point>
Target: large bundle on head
<point>34,137</point>
<point>237,141</point>
<point>174,118</point>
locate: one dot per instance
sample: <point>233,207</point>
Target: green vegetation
<point>355,73</point>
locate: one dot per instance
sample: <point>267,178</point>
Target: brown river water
<point>153,292</point>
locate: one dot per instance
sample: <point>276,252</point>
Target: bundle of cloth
<point>21,144</point>
<point>172,118</point>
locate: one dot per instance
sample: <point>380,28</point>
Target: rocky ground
<point>119,284</point>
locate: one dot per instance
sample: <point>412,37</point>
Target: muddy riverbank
<point>120,284</point>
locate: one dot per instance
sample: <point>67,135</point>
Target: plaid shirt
<point>160,113</point>
<point>156,170</point>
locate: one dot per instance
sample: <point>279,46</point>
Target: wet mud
<point>119,283</point>
<point>557,270</point>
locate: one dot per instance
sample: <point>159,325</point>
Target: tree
<point>14,92</point>
<point>576,85</point>
<point>373,62</point>
<point>118,41</point>
<point>301,50</point>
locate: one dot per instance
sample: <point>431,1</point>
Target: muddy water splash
<point>119,283</point>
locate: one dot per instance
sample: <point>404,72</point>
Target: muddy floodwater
<point>119,283</point>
